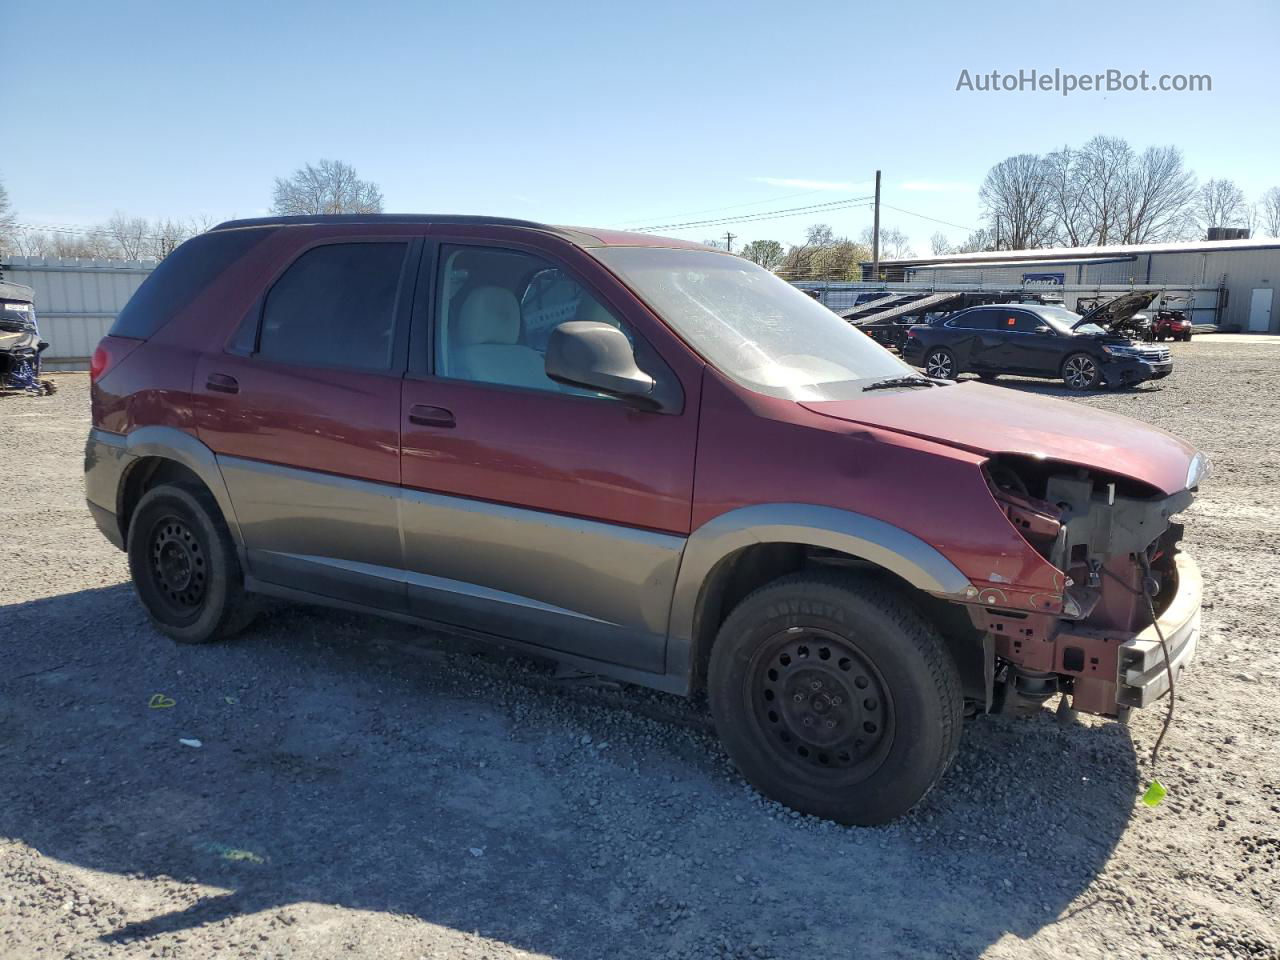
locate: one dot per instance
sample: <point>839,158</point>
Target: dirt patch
<point>366,789</point>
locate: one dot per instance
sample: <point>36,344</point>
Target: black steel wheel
<point>940,364</point>
<point>178,569</point>
<point>835,697</point>
<point>820,702</point>
<point>1081,372</point>
<point>184,565</point>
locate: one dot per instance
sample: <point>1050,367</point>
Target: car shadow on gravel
<point>334,769</point>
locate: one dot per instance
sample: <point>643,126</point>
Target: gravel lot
<point>366,789</point>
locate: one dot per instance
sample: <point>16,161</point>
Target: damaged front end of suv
<point>1127,618</point>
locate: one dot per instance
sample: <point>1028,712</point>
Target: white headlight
<point>1198,471</point>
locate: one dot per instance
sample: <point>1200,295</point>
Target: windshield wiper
<point>899,382</point>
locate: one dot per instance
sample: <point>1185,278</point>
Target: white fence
<point>76,300</point>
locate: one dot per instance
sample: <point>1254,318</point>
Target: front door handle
<point>427,416</point>
<point>221,383</point>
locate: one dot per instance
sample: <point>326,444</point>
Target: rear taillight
<point>911,335</point>
<point>111,350</point>
<point>100,362</point>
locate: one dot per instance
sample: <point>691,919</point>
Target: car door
<point>302,409</point>
<point>973,337</point>
<point>547,514</point>
<point>1029,344</point>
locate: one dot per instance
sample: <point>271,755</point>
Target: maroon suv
<point>644,458</point>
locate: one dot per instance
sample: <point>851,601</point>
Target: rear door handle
<point>427,416</point>
<point>221,383</point>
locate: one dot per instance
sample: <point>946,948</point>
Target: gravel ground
<point>366,789</point>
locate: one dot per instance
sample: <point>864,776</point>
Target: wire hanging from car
<point>1164,646</point>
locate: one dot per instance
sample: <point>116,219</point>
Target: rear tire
<point>940,363</point>
<point>1081,372</point>
<point>1186,337</point>
<point>835,698</point>
<point>184,565</point>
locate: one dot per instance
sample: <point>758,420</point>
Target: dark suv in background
<point>1038,340</point>
<point>644,458</point>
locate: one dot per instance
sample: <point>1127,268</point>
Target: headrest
<point>488,315</point>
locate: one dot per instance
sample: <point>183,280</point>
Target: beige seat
<point>484,342</point>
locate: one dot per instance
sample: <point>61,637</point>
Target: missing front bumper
<point>1141,673</point>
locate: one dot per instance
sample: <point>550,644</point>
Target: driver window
<point>496,312</point>
<point>1022,322</point>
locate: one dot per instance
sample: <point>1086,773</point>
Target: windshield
<point>751,326</point>
<point>1063,320</point>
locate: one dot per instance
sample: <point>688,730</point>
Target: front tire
<point>940,364</point>
<point>184,565</point>
<point>835,698</point>
<point>1081,372</point>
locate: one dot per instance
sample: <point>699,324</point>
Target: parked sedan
<point>1033,340</point>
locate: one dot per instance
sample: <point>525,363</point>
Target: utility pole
<point>728,240</point>
<point>875,235</point>
<point>997,231</point>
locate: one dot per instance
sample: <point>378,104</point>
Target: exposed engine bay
<point>1116,542</point>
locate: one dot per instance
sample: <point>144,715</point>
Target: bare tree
<point>1157,194</point>
<point>980,241</point>
<point>1015,193</point>
<point>30,243</point>
<point>129,234</point>
<point>329,187</point>
<point>1062,178</point>
<point>1220,203</point>
<point>767,253</point>
<point>1103,166</point>
<point>1269,213</point>
<point>164,236</point>
<point>940,245</point>
<point>8,229</point>
<point>894,244</point>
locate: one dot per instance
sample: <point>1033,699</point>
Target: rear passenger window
<point>181,277</point>
<point>335,307</point>
<point>977,320</point>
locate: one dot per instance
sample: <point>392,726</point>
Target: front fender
<point>887,546</point>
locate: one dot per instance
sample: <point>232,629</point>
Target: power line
<point>83,231</point>
<point>731,206</point>
<point>912,213</point>
<point>764,215</point>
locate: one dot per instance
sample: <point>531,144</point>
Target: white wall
<point>76,300</point>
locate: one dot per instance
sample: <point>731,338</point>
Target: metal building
<point>76,300</point>
<point>1232,281</point>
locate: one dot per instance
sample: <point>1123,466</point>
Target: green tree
<point>767,253</point>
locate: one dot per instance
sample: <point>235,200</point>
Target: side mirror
<point>598,356</point>
<point>1044,329</point>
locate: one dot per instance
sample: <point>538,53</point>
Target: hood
<point>990,420</point>
<point>1116,310</point>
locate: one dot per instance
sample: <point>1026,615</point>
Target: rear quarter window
<point>180,278</point>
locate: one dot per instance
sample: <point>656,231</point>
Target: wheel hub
<point>821,702</point>
<point>177,563</point>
